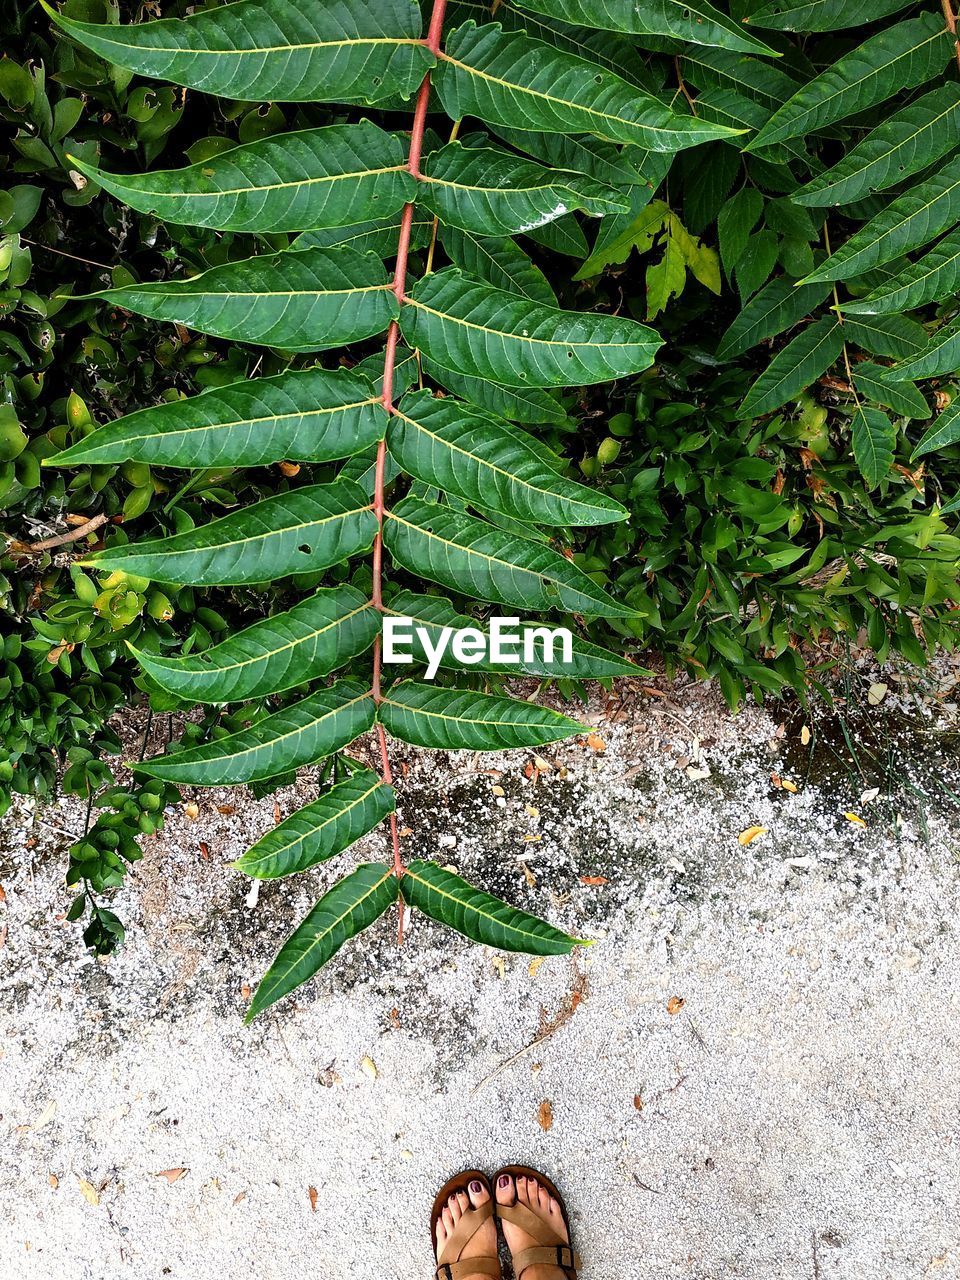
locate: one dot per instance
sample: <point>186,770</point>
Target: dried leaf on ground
<point>545,1115</point>
<point>312,1196</point>
<point>750,834</point>
<point>89,1192</point>
<point>171,1175</point>
<point>855,819</point>
<point>876,693</point>
<point>675,1004</point>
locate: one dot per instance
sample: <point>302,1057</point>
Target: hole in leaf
<point>305,548</point>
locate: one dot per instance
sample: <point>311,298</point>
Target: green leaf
<point>945,431</point>
<point>290,182</point>
<point>922,132</point>
<point>461,720</point>
<point>898,337</point>
<point>614,166</point>
<point>940,355</point>
<point>563,235</point>
<point>722,69</point>
<point>468,326</point>
<point>299,734</point>
<point>297,532</point>
<point>469,453</point>
<point>305,643</point>
<point>779,305</point>
<point>665,279</point>
<point>516,404</point>
<point>935,275</point>
<point>314,416</point>
<point>794,368</point>
<point>638,233</point>
<point>479,916</point>
<point>494,193</point>
<point>698,22</point>
<point>351,906</point>
<point>435,614</point>
<point>379,236</point>
<point>911,220</point>
<point>481,562</point>
<point>822,15</point>
<point>321,829</point>
<point>874,382</point>
<point>896,59</point>
<point>873,436</point>
<point>297,301</point>
<point>736,220</point>
<point>511,80</point>
<point>499,261</point>
<point>273,50</point>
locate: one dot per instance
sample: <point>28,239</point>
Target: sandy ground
<point>798,1116</point>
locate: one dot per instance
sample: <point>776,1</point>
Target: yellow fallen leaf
<point>543,765</point>
<point>751,833</point>
<point>499,965</point>
<point>497,790</point>
<point>532,837</point>
<point>805,735</point>
<point>192,810</point>
<point>595,742</point>
<point>533,968</point>
<point>876,693</point>
<point>855,819</point>
<point>532,810</point>
<point>787,785</point>
<point>368,1067</point>
<point>46,1115</point>
<point>89,1192</point>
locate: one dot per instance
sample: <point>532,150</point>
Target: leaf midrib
<point>247,862</point>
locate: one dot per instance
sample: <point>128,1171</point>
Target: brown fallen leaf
<point>3,894</point>
<point>204,851</point>
<point>595,742</point>
<point>88,1191</point>
<point>638,1102</point>
<point>226,809</point>
<point>245,992</point>
<point>53,1180</point>
<point>277,815</point>
<point>750,834</point>
<point>241,1195</point>
<point>594,880</point>
<point>171,1175</point>
<point>675,1004</point>
<point>805,735</point>
<point>545,1115</point>
<point>312,1197</point>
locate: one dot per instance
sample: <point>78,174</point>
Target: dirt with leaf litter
<point>755,1072</point>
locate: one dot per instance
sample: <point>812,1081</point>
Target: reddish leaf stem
<point>389,365</point>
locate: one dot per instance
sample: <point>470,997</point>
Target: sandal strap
<point>464,1231</point>
<point>469,1267</point>
<point>530,1222</point>
<point>559,1255</point>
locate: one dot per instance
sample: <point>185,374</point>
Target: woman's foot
<point>535,1197</point>
<point>483,1244</point>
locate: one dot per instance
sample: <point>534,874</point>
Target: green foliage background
<point>775,519</point>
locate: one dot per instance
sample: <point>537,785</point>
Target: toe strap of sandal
<point>558,1255</point>
<point>469,1267</point>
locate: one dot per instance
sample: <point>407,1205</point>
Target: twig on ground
<point>61,539</point>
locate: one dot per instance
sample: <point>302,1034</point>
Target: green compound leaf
<point>508,79</point>
<point>494,193</point>
<point>467,326</point>
<point>298,532</point>
<point>378,236</point>
<point>322,829</point>
<point>874,382</point>
<point>945,431</point>
<point>297,301</point>
<point>924,131</point>
<point>482,562</point>
<point>479,916</point>
<point>794,368</point>
<point>898,337</point>
<point>351,906</point>
<point>873,436</point>
<point>935,275</point>
<point>822,15</point>
<point>699,22</point>
<point>499,261</point>
<point>516,404</point>
<point>911,220</point>
<point>894,60</point>
<point>461,720</point>
<point>940,355</point>
<point>779,305</point>
<point>435,614</point>
<point>305,643</point>
<point>273,50</point>
<point>469,453</point>
<point>299,734</point>
<point>314,416</point>
<point>328,177</point>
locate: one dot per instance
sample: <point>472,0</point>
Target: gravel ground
<point>755,1072</point>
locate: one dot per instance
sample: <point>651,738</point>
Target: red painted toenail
<point>476,1187</point>
<point>504,1181</point>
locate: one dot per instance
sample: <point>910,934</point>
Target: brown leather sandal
<point>549,1249</point>
<point>451,1265</point>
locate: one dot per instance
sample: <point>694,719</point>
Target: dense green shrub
<point>790,469</point>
